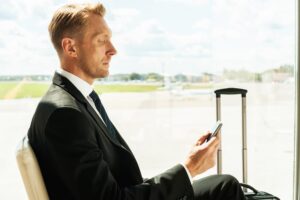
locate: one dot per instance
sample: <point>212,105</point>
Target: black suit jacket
<point>79,160</point>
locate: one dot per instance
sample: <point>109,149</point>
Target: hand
<point>202,155</point>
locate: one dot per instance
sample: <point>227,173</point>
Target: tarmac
<point>160,127</point>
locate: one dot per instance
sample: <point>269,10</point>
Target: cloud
<point>8,11</point>
<point>255,35</point>
<point>120,19</point>
<point>204,24</point>
<point>236,34</point>
<point>125,12</point>
<point>151,47</point>
<point>188,2</point>
<point>227,33</point>
<point>22,51</point>
<point>151,38</point>
<point>145,38</point>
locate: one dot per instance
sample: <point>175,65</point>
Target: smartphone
<point>215,130</point>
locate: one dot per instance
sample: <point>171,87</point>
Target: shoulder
<point>58,97</point>
<point>67,115</point>
<point>57,102</point>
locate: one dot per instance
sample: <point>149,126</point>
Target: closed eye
<point>103,41</point>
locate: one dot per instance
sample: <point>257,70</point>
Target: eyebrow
<point>107,34</point>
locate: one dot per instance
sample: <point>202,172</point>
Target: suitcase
<point>250,192</point>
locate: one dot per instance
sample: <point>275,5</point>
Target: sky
<point>162,36</point>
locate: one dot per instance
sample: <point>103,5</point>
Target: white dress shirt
<point>86,89</point>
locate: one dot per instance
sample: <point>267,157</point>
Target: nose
<point>111,49</point>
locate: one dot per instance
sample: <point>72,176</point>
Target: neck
<point>78,73</point>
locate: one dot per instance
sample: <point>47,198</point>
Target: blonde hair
<point>70,20</point>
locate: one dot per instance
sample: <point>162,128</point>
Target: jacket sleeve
<point>79,161</point>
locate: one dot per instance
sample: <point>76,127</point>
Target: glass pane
<point>171,56</point>
<point>202,46</point>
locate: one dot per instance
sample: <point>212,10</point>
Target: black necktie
<point>100,108</point>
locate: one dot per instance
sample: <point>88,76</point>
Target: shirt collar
<point>80,84</point>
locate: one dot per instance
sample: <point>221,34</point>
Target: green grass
<point>125,88</point>
<point>32,90</point>
<point>36,90</point>
<point>6,87</point>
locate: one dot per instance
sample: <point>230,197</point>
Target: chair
<point>30,171</point>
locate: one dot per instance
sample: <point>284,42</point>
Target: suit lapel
<point>64,83</point>
<point>100,123</point>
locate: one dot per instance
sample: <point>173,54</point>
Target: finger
<point>214,142</point>
<point>219,133</point>
<point>202,139</point>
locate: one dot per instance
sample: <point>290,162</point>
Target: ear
<point>69,47</point>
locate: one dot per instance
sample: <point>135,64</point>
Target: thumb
<point>214,142</point>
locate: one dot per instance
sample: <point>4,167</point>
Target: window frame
<point>297,111</point>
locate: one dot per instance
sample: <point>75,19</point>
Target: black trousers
<point>218,187</point>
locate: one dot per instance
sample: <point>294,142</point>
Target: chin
<point>103,74</point>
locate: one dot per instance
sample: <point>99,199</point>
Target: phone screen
<point>215,130</point>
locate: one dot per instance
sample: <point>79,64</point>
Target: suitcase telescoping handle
<point>242,92</point>
<point>229,91</point>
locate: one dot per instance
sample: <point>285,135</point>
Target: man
<point>80,152</point>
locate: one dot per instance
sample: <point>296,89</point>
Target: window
<point>171,56</point>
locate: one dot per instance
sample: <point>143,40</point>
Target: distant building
<point>273,76</point>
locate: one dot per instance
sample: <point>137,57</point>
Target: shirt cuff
<point>188,173</point>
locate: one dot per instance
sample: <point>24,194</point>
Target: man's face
<point>95,48</point>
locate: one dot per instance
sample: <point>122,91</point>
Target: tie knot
<point>94,96</point>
